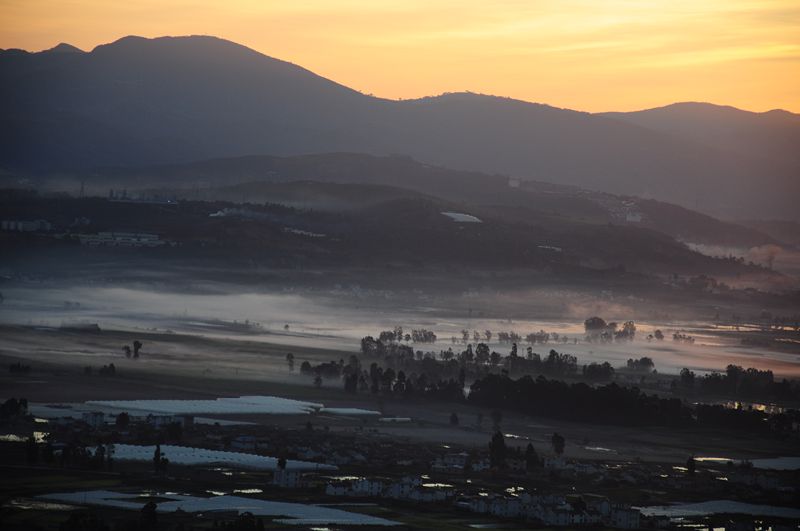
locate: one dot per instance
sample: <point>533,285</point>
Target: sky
<point>591,55</point>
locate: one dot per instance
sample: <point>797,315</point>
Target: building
<point>95,419</point>
<point>554,463</point>
<point>244,443</point>
<point>402,489</point>
<point>160,421</point>
<point>37,225</point>
<point>121,239</point>
<point>288,479</point>
<point>506,507</point>
<point>451,462</point>
<point>623,517</point>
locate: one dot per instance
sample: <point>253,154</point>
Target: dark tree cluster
<point>13,408</point>
<point>599,372</point>
<point>597,329</point>
<point>738,382</point>
<point>643,364</point>
<point>682,338</point>
<point>397,334</point>
<point>244,522</point>
<point>554,364</point>
<point>137,346</point>
<point>19,368</point>
<point>610,404</point>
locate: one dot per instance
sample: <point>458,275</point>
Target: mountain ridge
<point>167,100</point>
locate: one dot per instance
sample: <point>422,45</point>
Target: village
<point>333,456</point>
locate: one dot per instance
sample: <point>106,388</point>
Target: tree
<point>157,455</point>
<point>370,347</point>
<point>48,454</point>
<point>531,458</point>
<point>149,516</point>
<point>123,420</point>
<point>497,450</point>
<point>481,353</point>
<point>83,521</point>
<point>31,451</point>
<point>497,418</point>
<point>317,381</point>
<point>628,331</point>
<point>290,361</point>
<point>282,463</point>
<point>558,443</point>
<point>453,419</point>
<point>594,324</point>
<point>687,378</point>
<point>110,450</point>
<point>137,346</point>
<point>659,335</point>
<point>691,466</point>
<point>127,350</point>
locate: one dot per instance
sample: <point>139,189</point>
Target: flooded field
<point>289,513</point>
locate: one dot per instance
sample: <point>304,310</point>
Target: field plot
<point>265,405</point>
<point>350,411</point>
<point>292,513</point>
<point>720,507</point>
<point>185,455</point>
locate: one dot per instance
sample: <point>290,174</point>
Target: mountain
<point>772,135</point>
<point>177,99</point>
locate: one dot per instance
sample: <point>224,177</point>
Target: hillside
<point>169,100</point>
<point>409,230</point>
<point>343,181</point>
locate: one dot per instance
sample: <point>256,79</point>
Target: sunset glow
<point>581,54</point>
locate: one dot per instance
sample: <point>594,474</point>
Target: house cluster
<point>98,420</point>
<point>36,225</point>
<point>409,488</point>
<point>625,210</point>
<point>459,462</point>
<point>515,503</point>
<point>553,510</point>
<point>122,196</point>
<point>122,239</point>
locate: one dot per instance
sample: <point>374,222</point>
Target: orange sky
<point>593,55</point>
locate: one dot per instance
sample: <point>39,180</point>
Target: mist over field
<point>339,320</point>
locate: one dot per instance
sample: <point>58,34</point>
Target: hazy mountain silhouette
<point>152,101</point>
